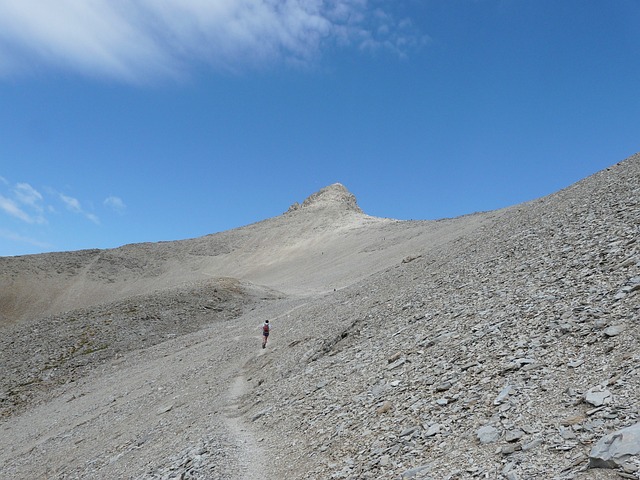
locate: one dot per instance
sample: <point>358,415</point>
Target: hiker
<point>265,333</point>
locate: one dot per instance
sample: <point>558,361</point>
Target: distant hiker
<point>265,333</point>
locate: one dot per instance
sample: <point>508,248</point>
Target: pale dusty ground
<point>133,413</point>
<point>114,423</point>
<point>210,403</point>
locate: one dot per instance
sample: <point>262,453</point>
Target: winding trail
<point>250,452</point>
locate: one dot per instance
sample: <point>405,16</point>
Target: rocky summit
<point>499,345</point>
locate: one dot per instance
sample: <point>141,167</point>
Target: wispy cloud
<point>24,203</point>
<point>135,41</point>
<point>73,205</point>
<point>115,203</point>
<point>30,209</point>
<point>28,195</point>
<point>10,207</point>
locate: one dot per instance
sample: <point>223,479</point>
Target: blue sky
<point>134,121</point>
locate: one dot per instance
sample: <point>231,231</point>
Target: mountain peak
<point>333,196</point>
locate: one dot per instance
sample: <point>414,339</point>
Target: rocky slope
<point>506,353</point>
<point>495,345</point>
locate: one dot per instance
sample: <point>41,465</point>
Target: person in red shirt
<point>265,333</point>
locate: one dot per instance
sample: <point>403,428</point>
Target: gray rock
<point>409,431</point>
<point>532,444</point>
<point>164,409</point>
<point>412,472</point>
<point>433,430</point>
<point>598,396</point>
<point>504,393</point>
<point>514,435</point>
<point>616,449</point>
<point>396,364</point>
<point>488,434</point>
<point>614,330</point>
<point>443,387</point>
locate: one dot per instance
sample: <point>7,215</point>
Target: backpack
<point>265,328</point>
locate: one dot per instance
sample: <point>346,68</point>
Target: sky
<point>127,121</point>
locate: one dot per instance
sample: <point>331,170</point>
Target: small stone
<point>613,330</point>
<point>508,449</point>
<point>412,472</point>
<point>488,434</point>
<point>408,431</point>
<point>514,435</point>
<point>433,430</point>
<point>598,396</point>
<point>531,445</point>
<point>443,387</point>
<point>395,357</point>
<point>384,408</point>
<point>567,433</point>
<point>260,414</point>
<point>504,393</point>
<point>396,364</point>
<point>524,361</point>
<point>164,409</point>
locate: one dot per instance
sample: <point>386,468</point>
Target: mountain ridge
<point>497,345</point>
<point>328,226</point>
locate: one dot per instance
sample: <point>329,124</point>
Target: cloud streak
<point>11,208</point>
<point>115,203</point>
<point>73,205</point>
<point>23,202</point>
<point>29,196</point>
<point>136,41</point>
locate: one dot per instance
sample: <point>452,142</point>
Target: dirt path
<point>250,453</point>
<point>156,413</point>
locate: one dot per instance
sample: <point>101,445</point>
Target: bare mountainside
<point>495,345</point>
<point>324,244</point>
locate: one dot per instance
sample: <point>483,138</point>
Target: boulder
<point>616,449</point>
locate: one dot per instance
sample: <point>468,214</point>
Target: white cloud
<point>135,41</point>
<point>72,204</point>
<point>23,202</point>
<point>11,208</point>
<point>28,195</point>
<point>115,203</point>
<point>93,218</point>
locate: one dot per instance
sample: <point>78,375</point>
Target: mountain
<point>495,345</point>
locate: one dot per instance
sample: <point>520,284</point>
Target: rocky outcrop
<point>335,196</point>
